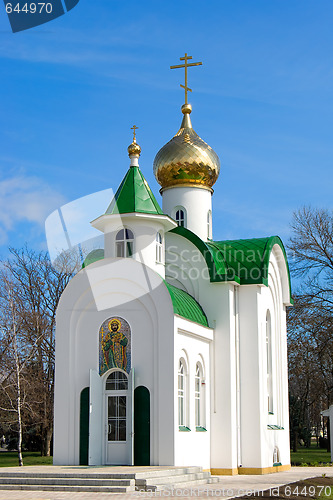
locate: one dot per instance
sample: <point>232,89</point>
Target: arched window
<point>159,248</point>
<point>116,381</point>
<point>209,224</point>
<point>124,243</point>
<point>182,394</point>
<point>181,217</point>
<point>199,396</point>
<point>269,363</point>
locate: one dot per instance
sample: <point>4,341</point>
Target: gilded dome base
<point>187,185</point>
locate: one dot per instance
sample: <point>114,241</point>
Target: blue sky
<point>71,89</point>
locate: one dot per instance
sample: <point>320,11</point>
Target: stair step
<point>70,481</point>
<point>45,487</point>
<point>154,479</point>
<point>173,479</point>
<point>168,472</point>
<point>178,486</point>
<point>55,475</point>
<point>103,475</point>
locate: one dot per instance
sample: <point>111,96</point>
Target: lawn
<point>310,456</point>
<point>9,458</point>
<point>304,456</point>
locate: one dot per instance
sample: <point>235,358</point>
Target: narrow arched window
<point>159,247</point>
<point>124,243</point>
<point>181,217</point>
<point>209,224</point>
<point>269,361</point>
<point>199,396</point>
<point>182,393</point>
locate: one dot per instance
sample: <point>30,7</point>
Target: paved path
<point>228,487</point>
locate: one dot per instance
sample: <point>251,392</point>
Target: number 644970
<point>29,8</point>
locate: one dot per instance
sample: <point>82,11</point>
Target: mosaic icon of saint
<point>114,347</point>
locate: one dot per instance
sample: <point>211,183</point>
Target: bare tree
<point>37,289</point>
<point>15,354</point>
<point>310,326</point>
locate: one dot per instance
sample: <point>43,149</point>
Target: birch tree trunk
<point>18,378</point>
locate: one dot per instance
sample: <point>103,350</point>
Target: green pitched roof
<point>243,261</point>
<point>134,195</point>
<point>247,259</point>
<point>186,306</point>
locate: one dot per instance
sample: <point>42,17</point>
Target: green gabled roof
<point>248,259</point>
<point>134,195</point>
<point>243,261</point>
<point>186,306</point>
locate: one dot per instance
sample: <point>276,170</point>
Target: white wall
<point>192,343</point>
<point>197,202</point>
<point>251,377</point>
<point>144,228</point>
<point>258,441</point>
<point>273,298</point>
<point>186,268</point>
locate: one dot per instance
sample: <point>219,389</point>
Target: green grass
<point>9,458</point>
<point>310,456</point>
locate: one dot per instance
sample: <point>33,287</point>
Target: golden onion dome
<point>134,148</point>
<point>186,160</point>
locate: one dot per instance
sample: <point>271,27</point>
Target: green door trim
<point>84,426</point>
<point>141,426</point>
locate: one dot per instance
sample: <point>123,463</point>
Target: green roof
<point>244,261</point>
<point>247,259</point>
<point>93,256</point>
<point>134,195</point>
<point>186,306</point>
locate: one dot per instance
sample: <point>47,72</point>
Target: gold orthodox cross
<point>186,65</point>
<point>134,128</point>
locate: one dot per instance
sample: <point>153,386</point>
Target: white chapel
<point>171,343</point>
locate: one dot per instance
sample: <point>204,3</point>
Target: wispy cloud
<point>71,47</point>
<point>25,199</point>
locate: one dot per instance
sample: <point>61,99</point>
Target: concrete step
<point>173,479</point>
<point>176,487</point>
<point>154,479</point>
<point>98,489</point>
<point>66,475</point>
<point>168,472</point>
<point>70,481</point>
<point>109,475</point>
